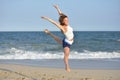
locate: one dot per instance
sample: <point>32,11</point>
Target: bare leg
<point>53,36</point>
<point>66,55</point>
<point>66,49</point>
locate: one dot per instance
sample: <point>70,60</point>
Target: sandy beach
<point>20,72</point>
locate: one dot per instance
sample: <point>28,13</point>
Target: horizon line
<point>60,31</point>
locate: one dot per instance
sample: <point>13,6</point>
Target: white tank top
<point>69,35</point>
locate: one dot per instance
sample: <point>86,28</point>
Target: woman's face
<point>65,21</point>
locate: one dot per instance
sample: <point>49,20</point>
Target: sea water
<point>91,49</point>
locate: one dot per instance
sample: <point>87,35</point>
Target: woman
<point>66,30</point>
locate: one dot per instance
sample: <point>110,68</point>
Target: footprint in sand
<point>87,79</point>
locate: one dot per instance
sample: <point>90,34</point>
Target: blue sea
<point>91,49</point>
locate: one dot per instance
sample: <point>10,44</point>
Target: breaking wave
<point>14,53</point>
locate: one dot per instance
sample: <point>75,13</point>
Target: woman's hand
<point>56,6</point>
<point>43,17</point>
<point>59,11</point>
<point>46,31</point>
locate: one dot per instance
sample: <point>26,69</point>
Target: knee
<point>66,51</point>
<point>66,55</point>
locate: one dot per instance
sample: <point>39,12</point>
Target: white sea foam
<point>118,40</point>
<point>15,53</point>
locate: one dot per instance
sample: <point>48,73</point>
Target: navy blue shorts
<point>65,44</point>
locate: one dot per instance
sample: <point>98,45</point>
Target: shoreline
<point>22,72</point>
<point>74,63</point>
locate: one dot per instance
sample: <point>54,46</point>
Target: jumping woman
<point>63,25</point>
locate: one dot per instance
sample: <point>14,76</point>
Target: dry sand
<point>20,72</point>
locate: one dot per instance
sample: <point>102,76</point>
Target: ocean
<point>38,49</point>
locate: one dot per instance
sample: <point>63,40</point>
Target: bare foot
<point>46,31</point>
<point>67,69</point>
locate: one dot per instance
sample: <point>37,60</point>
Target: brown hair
<point>61,18</point>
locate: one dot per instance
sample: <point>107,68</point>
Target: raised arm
<point>55,23</point>
<point>58,10</point>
